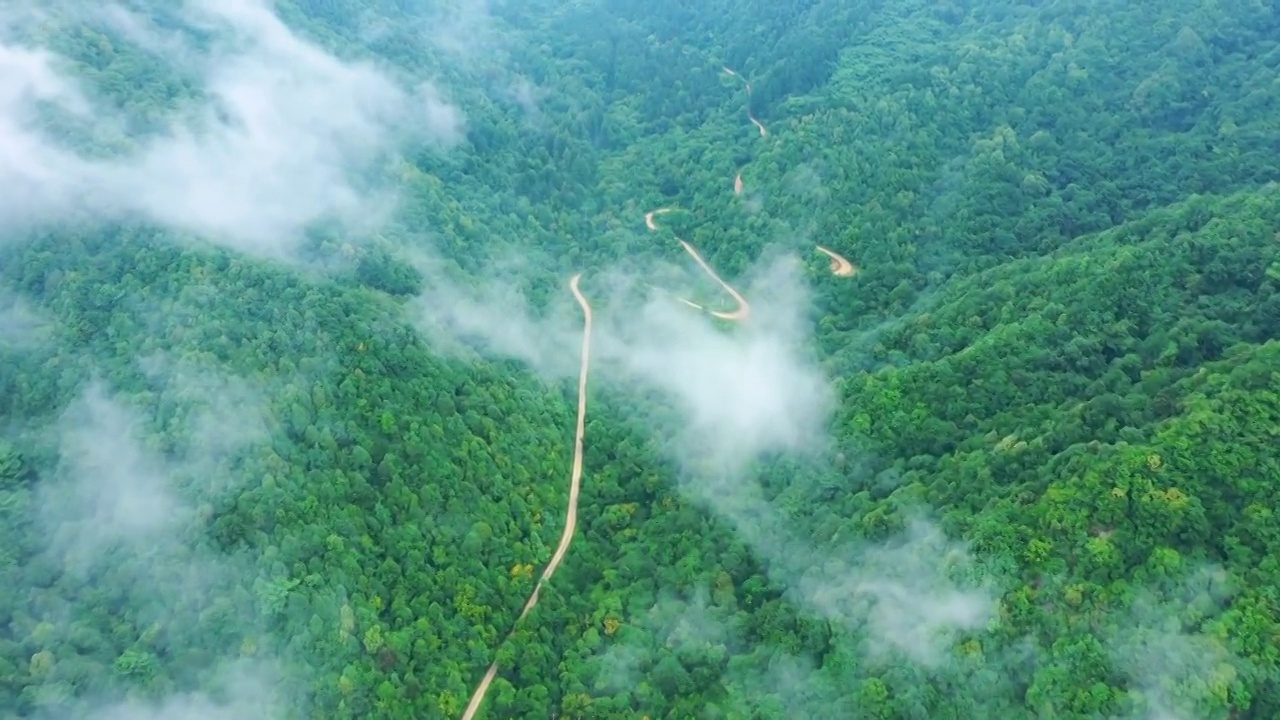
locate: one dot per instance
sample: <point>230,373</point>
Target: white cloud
<point>1177,663</point>
<point>21,326</point>
<point>284,139</point>
<point>742,393</point>
<point>528,96</point>
<point>116,490</point>
<point>464,29</point>
<point>248,688</point>
<point>126,504</point>
<point>900,590</point>
<point>736,395</point>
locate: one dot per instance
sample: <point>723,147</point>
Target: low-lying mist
<point>276,136</point>
<point>740,393</point>
<point>122,518</point>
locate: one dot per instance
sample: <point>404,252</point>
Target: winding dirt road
<point>763,131</point>
<point>648,217</point>
<point>839,267</point>
<point>742,312</point>
<point>575,486</point>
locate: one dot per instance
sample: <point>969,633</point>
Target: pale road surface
<point>648,217</point>
<point>839,266</point>
<point>575,485</point>
<point>752,118</point>
<point>743,308</point>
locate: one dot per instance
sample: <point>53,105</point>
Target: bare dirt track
<point>763,132</point>
<point>648,217</point>
<point>743,309</point>
<point>738,314</point>
<point>839,267</point>
<point>575,486</point>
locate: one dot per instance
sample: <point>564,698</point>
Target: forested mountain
<point>288,359</point>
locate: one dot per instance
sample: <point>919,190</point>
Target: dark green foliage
<point>1062,343</point>
<point>379,270</point>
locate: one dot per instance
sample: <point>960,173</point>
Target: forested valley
<point>289,360</point>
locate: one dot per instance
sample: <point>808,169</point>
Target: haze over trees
<point>288,361</point>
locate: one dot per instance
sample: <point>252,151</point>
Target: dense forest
<point>289,360</point>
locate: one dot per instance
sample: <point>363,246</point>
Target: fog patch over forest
<point>1170,654</point>
<point>741,392</point>
<point>738,394</point>
<point>1016,467</point>
<point>285,135</point>
<point>1177,670</point>
<point>21,325</point>
<point>119,506</point>
<point>247,689</point>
